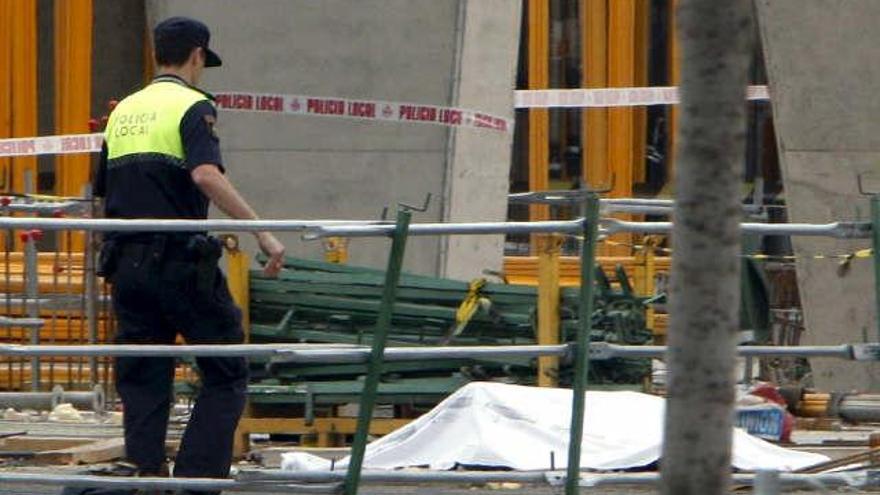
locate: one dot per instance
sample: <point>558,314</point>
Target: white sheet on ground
<point>500,425</point>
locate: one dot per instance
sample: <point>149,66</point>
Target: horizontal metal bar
<point>8,321</point>
<point>842,230</point>
<point>392,354</point>
<point>578,196</point>
<point>66,206</point>
<point>334,353</point>
<point>633,205</point>
<point>316,229</point>
<point>148,483</point>
<point>48,301</point>
<point>320,482</point>
<point>602,350</point>
<point>475,228</point>
<point>389,476</point>
<point>167,225</point>
<point>43,401</point>
<point>864,478</point>
<point>846,230</point>
<point>301,353</point>
<point>220,350</point>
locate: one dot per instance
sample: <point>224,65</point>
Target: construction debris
<point>65,413</point>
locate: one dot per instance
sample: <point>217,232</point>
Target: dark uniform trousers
<point>156,294</point>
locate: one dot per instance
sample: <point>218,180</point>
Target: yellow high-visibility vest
<point>146,124</point>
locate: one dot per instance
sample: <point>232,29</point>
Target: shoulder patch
<point>210,120</point>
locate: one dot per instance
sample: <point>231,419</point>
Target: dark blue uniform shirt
<point>155,189</point>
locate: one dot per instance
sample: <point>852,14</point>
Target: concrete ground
<point>842,441</point>
<point>425,490</point>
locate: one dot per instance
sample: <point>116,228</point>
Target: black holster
<point>205,251</point>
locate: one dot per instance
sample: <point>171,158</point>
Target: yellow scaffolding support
<point>18,92</point>
<point>539,118</point>
<point>614,47</point>
<point>73,95</point>
<point>594,56</point>
<point>23,30</point>
<point>548,306</point>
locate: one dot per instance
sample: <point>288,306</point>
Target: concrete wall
<point>430,51</point>
<point>820,57</point>
<point>117,51</point>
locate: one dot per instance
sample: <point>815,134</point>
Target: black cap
<point>187,32</point>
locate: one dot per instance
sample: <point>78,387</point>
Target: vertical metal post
<point>374,369</point>
<point>582,349</point>
<point>9,247</point>
<point>32,291</point>
<point>91,288</point>
<point>32,284</point>
<point>875,233</point>
<point>767,482</point>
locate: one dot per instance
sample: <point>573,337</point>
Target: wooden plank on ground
<point>90,453</point>
<point>36,444</point>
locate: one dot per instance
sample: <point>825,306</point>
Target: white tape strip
<point>51,145</point>
<point>388,111</point>
<point>610,97</point>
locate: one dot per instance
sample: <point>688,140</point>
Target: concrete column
<point>823,90</point>
<point>479,167</point>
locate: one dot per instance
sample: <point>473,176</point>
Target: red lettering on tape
<point>362,109</point>
<point>76,143</point>
<point>18,147</point>
<point>417,113</point>
<point>450,116</point>
<point>235,101</point>
<point>270,103</point>
<point>325,107</point>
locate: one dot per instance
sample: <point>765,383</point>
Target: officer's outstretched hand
<point>272,248</point>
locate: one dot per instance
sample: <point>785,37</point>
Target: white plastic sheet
<point>517,427</point>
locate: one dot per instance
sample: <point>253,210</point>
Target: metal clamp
<point>408,207</point>
<point>865,352</point>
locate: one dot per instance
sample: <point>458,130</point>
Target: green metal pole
<point>374,368</point>
<point>582,349</point>
<point>875,234</point>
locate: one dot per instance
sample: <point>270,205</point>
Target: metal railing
<point>581,351</point>
<point>73,306</point>
<point>331,482</point>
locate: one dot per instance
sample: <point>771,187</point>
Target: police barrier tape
<point>611,97</point>
<point>345,108</point>
<point>386,111</point>
<point>362,110</point>
<point>51,145</point>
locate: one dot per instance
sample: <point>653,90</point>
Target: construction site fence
<point>589,228</point>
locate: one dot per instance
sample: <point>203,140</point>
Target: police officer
<point>161,159</point>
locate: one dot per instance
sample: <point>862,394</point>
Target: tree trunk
<point>716,38</point>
